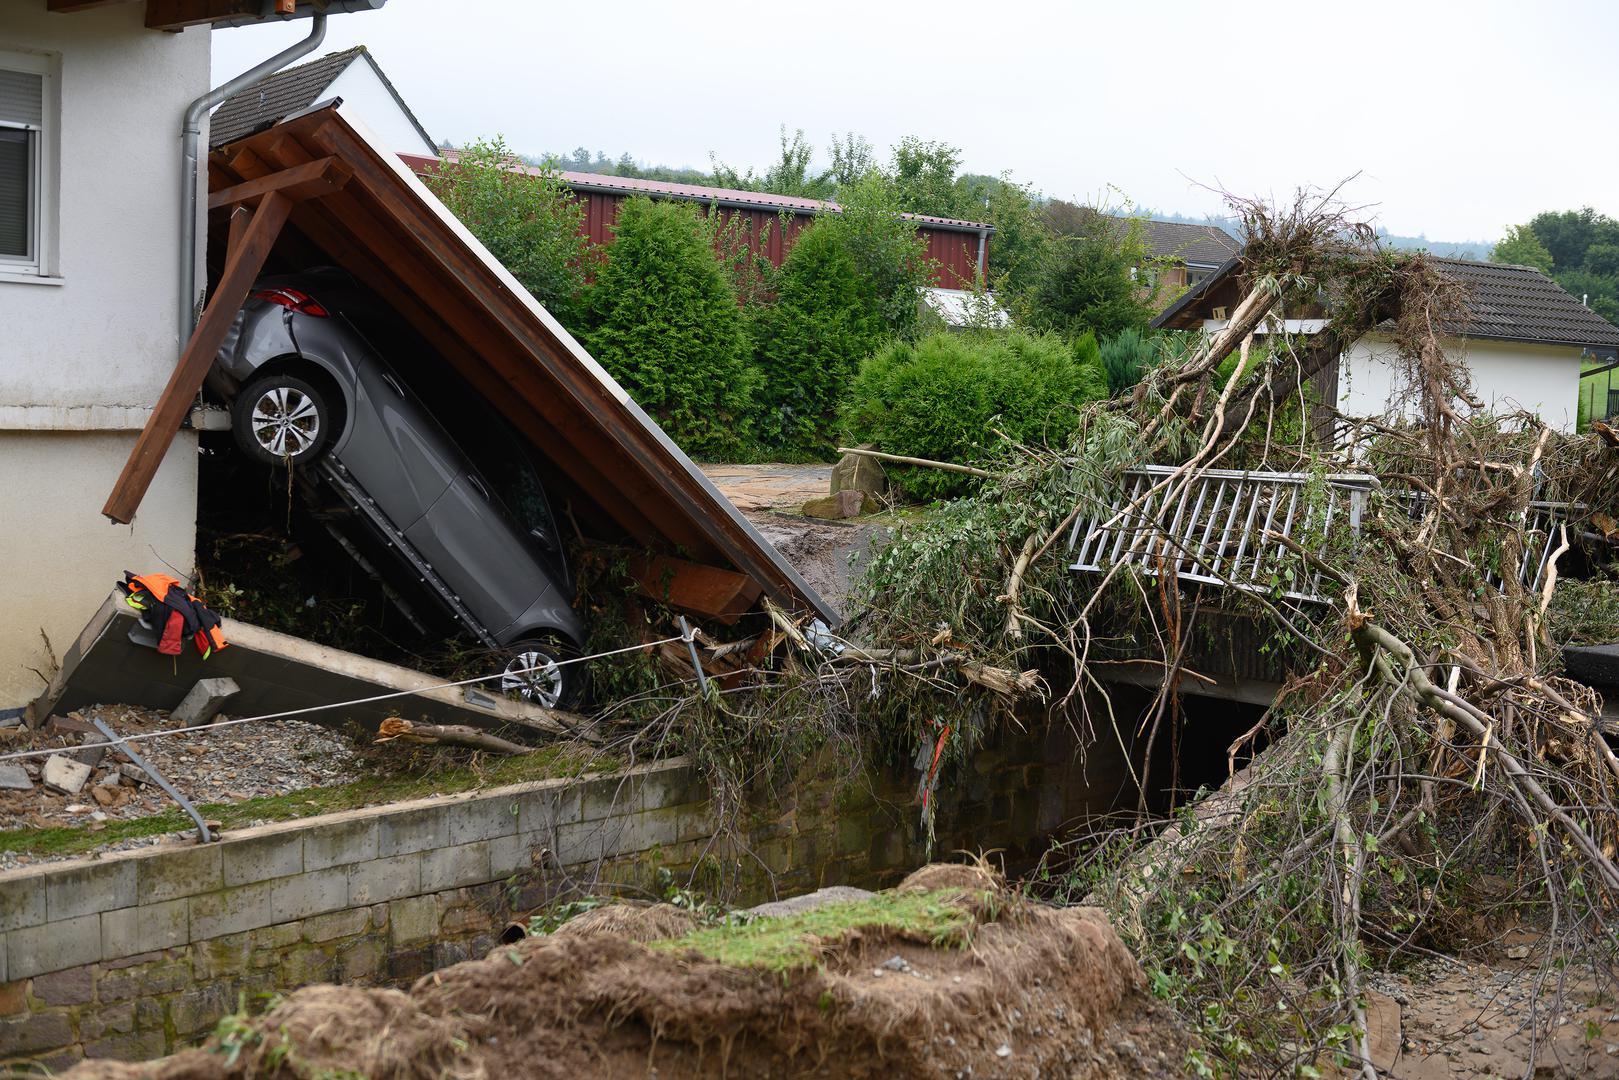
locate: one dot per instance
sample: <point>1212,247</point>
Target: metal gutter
<point>191,138</point>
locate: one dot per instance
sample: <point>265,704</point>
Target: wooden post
<point>242,266</point>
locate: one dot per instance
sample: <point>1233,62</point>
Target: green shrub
<point>943,397</point>
<point>665,323</point>
<point>1126,357</point>
<point>891,259</point>
<point>808,344</point>
<point>529,222</point>
<point>1086,282</point>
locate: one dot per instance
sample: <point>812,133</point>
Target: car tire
<point>526,672</point>
<point>280,419</point>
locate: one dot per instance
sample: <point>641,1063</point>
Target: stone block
<point>230,911</point>
<point>172,873</point>
<point>608,796</point>
<point>673,786</point>
<point>339,843</point>
<point>412,920</point>
<point>480,819</point>
<point>452,867</point>
<point>203,701</point>
<point>307,964</point>
<point>151,1014</point>
<point>261,858</point>
<point>84,888</point>
<point>857,472</point>
<point>15,778</point>
<point>35,1034</point>
<point>539,811</point>
<point>70,987</point>
<point>221,958</point>
<point>510,855</point>
<point>107,1020</point>
<point>407,965</point>
<point>309,894</point>
<point>384,879</point>
<point>133,1046</point>
<point>198,1010</point>
<point>361,961</point>
<point>278,937</point>
<point>649,829</point>
<point>845,504</point>
<point>14,997</point>
<point>410,831</point>
<point>61,773</point>
<point>133,930</point>
<point>147,982</point>
<point>22,899</point>
<point>53,946</point>
<point>336,924</point>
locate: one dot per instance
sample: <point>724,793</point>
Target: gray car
<point>309,391</point>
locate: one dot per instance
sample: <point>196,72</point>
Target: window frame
<point>40,265</point>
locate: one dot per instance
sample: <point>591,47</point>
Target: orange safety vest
<point>186,614</point>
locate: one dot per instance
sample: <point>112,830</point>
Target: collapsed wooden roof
<point>370,215</point>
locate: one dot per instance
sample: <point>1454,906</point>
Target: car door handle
<point>478,484</point>
<point>393,383</point>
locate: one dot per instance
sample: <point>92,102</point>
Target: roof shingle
<point>277,96</point>
<point>1195,245</point>
<point>1519,303</point>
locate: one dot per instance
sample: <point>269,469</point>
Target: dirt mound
<point>632,921</point>
<point>968,877</point>
<point>1040,992</point>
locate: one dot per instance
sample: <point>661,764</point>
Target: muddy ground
<point>770,496</point>
<point>1034,992</point>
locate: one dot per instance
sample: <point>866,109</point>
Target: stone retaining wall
<point>136,954</point>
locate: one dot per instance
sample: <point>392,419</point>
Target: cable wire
<point>143,736</point>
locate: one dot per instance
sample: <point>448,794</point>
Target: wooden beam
<point>240,218</point>
<point>241,268</point>
<point>67,7</point>
<point>693,587</point>
<point>179,14</point>
<point>308,181</point>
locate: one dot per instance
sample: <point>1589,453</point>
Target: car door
<point>395,450</point>
<point>483,555</point>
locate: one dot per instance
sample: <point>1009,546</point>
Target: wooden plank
<point>179,14</point>
<point>240,218</point>
<point>241,268</point>
<point>694,587</point>
<point>70,6</point>
<point>308,181</point>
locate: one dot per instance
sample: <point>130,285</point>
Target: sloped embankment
<point>946,975</point>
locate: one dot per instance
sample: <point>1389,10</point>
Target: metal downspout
<point>983,240</point>
<point>191,137</point>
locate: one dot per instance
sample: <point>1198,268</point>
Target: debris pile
<point>90,783</point>
<point>934,978</point>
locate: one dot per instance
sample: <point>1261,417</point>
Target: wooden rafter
<point>307,181</point>
<point>185,382</point>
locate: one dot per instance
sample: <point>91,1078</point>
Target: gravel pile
<point>89,786</point>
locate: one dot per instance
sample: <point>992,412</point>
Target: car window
<point>504,459</point>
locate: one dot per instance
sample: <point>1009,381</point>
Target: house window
<point>1194,275</point>
<point>27,98</point>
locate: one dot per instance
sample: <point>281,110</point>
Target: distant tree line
<point>1578,248</point>
<point>835,343</point>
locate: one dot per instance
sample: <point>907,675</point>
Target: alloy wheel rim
<point>285,421</point>
<point>535,677</point>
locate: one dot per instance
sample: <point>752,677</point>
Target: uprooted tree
<point>1424,732</point>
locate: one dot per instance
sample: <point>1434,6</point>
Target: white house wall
<point>365,96</point>
<point>1507,376</point>
<point>85,356</point>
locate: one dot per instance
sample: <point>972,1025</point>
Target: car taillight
<point>301,302</point>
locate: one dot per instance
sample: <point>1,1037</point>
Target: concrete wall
<point>138,954</point>
<point>1507,375</point>
<point>87,350</point>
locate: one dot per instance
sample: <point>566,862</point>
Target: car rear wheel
<point>280,419</point>
<point>533,670</point>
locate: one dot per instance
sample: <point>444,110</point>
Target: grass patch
<point>375,790</point>
<point>794,941</point>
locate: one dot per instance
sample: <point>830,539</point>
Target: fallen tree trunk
<point>449,734</point>
<point>947,466</point>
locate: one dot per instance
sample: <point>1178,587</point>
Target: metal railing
<point>1214,527</point>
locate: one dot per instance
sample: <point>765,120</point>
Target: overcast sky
<point>1459,117</point>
